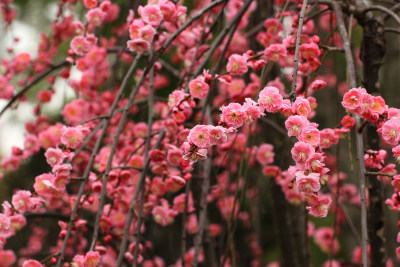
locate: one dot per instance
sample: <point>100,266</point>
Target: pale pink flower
<point>21,201</point>
<point>54,156</point>
<point>5,224</point>
<point>391,131</point>
<point>174,183</point>
<point>375,159</point>
<point>179,203</point>
<point>135,27</point>
<point>43,184</point>
<point>252,110</point>
<point>80,45</point>
<point>309,50</point>
<point>193,153</point>
<point>310,135</point>
<point>321,207</point>
<point>325,239</point>
<point>301,151</point>
<point>314,163</point>
<point>77,261</point>
<point>237,65</point>
<point>218,135</point>
<point>295,124</point>
<point>73,137</point>
<point>352,100</point>
<point>191,224</point>
<point>233,115</point>
<point>174,156</point>
<point>138,45</point>
<point>270,99</point>
<point>379,105</point>
<point>328,138</point>
<point>89,4</point>
<point>275,51</point>
<point>317,85</point>
<point>388,169</point>
<point>31,144</point>
<point>200,136</point>
<point>7,258</point>
<point>265,154</point>
<point>157,155</point>
<point>301,106</point>
<point>147,33</point>
<point>95,16</point>
<point>348,122</point>
<point>396,152</point>
<point>151,14</point>
<point>198,88</point>
<point>393,113</point>
<point>31,263</point>
<point>92,259</point>
<point>396,183</point>
<point>163,215</point>
<point>308,183</point>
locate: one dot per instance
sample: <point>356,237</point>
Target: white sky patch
<point>28,39</point>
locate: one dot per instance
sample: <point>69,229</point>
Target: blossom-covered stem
<point>138,227</point>
<point>89,137</point>
<point>134,201</point>
<point>359,139</point>
<point>182,28</point>
<point>216,70</point>
<point>238,195</point>
<point>221,37</point>
<point>31,84</point>
<point>184,215</point>
<point>189,73</point>
<point>297,51</point>
<point>147,148</point>
<point>203,203</point>
<point>91,160</point>
<point>113,149</point>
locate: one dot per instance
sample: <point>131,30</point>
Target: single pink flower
<point>198,88</point>
<point>151,14</point>
<point>391,132</point>
<point>301,151</point>
<point>308,183</point>
<point>295,124</point>
<point>237,65</point>
<point>138,45</point>
<point>200,136</point>
<point>270,99</point>
<point>233,115</point>
<point>265,154</point>
<point>310,135</point>
<point>274,52</point>
<point>80,45</point>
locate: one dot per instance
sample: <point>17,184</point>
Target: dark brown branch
<point>384,9</point>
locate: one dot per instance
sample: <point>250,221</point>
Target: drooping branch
<point>359,138</point>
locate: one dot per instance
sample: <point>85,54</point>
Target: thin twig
<point>31,84</point>
<point>91,160</point>
<point>384,9</point>
<point>359,139</point>
<point>297,52</point>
